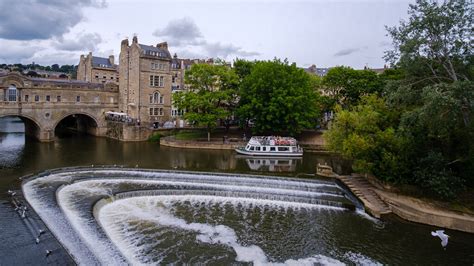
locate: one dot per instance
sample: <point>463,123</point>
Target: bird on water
<point>444,237</point>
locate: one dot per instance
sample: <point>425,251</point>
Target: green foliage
<point>432,174</point>
<point>366,136</point>
<point>190,135</point>
<point>278,98</point>
<point>347,85</point>
<point>435,44</point>
<point>422,133</point>
<point>155,138</point>
<point>212,96</point>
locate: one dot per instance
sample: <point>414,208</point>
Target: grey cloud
<point>224,50</point>
<point>61,58</point>
<point>181,32</point>
<point>385,44</point>
<point>14,52</point>
<point>41,19</point>
<point>349,51</point>
<point>82,42</point>
<point>184,32</point>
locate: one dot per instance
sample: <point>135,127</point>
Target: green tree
<point>435,44</point>
<point>365,135</point>
<point>278,98</point>
<point>212,95</point>
<point>431,95</point>
<point>346,85</point>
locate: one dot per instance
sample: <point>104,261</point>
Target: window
<point>96,76</point>
<point>161,83</point>
<point>155,111</point>
<point>12,92</point>
<point>283,149</point>
<point>111,77</point>
<point>173,79</point>
<point>257,148</point>
<point>264,148</point>
<point>37,98</point>
<point>252,148</point>
<point>58,98</point>
<point>272,148</point>
<point>26,98</point>
<point>104,77</point>
<point>160,111</point>
<point>157,81</point>
<point>48,98</point>
<point>151,111</point>
<point>151,98</point>
<point>161,99</point>
<point>78,98</point>
<point>156,97</point>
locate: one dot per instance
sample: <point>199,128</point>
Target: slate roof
<point>149,48</point>
<point>101,62</point>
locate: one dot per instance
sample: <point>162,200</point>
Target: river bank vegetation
<point>419,128</point>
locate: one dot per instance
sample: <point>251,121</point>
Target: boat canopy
<point>272,141</point>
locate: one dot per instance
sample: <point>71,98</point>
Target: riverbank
<point>379,202</point>
<point>214,144</point>
<point>311,141</point>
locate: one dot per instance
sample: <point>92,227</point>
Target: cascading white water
<point>167,202</point>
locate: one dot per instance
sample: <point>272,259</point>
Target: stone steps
<point>366,193</point>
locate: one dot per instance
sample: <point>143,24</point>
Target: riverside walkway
<point>366,192</point>
<point>379,201</point>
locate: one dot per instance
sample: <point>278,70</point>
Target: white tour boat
<point>271,146</point>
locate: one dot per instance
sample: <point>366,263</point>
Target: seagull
<point>37,240</point>
<point>40,232</point>
<point>48,252</point>
<point>442,236</point>
<point>12,193</point>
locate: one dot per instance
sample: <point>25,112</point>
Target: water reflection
<point>276,164</point>
<point>11,149</point>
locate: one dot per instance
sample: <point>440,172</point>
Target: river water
<point>174,216</point>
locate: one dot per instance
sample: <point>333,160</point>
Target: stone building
<point>97,69</point>
<point>145,80</point>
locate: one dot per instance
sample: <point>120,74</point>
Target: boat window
<point>283,149</point>
<point>272,148</point>
<point>257,148</point>
<point>248,147</point>
<point>264,148</point>
<point>251,148</point>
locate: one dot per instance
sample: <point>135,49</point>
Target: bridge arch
<point>32,126</point>
<point>80,122</point>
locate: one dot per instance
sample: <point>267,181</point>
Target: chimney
<point>163,45</point>
<point>111,59</point>
<point>125,42</point>
<point>135,39</point>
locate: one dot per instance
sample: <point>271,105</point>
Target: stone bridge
<point>44,105</point>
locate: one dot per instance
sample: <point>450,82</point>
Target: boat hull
<point>269,154</point>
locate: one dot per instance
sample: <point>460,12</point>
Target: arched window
<point>12,93</point>
<point>156,97</point>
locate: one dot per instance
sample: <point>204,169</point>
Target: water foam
<point>156,209</point>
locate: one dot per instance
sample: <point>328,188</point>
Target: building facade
<point>97,69</point>
<point>145,80</point>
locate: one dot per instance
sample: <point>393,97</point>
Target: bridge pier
<point>45,135</point>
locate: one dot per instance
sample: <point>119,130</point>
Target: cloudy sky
<point>321,32</point>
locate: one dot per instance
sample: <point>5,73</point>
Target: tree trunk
<point>208,135</point>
